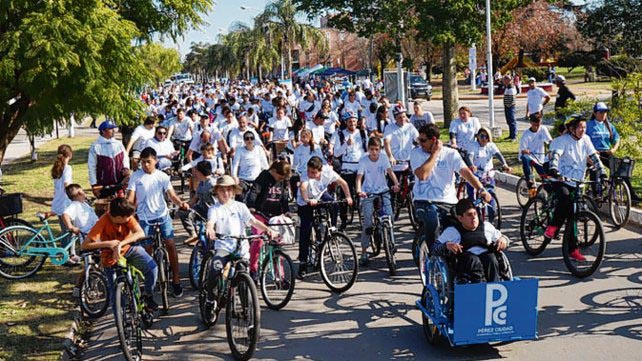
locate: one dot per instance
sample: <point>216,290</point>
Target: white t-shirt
<point>60,200</point>
<point>374,173</point>
<point>351,153</point>
<point>451,234</point>
<point>140,136</point>
<point>197,142</point>
<point>316,188</point>
<point>150,193</point>
<point>330,124</point>
<point>534,142</point>
<point>182,130</point>
<point>573,155</point>
<point>534,99</point>
<point>349,106</point>
<point>318,131</point>
<point>280,128</point>
<point>419,121</point>
<point>465,131</point>
<point>235,137</point>
<point>82,215</point>
<point>248,164</point>
<point>163,149</point>
<point>483,156</point>
<point>401,139</point>
<point>230,220</point>
<point>440,185</point>
<point>302,155</point>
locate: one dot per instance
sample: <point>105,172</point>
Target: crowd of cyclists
<point>256,151</point>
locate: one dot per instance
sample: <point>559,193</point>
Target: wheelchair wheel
<point>532,226</point>
<point>506,271</point>
<point>430,328</point>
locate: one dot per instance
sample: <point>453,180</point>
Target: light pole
<point>489,70</point>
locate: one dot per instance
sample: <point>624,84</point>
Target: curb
<point>634,219</point>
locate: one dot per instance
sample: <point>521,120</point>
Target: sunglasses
<point>161,133</point>
<point>482,136</point>
<point>248,138</point>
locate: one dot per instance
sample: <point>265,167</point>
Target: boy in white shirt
<point>79,217</point>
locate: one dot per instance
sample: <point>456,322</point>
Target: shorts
<point>166,227</point>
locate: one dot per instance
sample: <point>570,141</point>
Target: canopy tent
<point>308,72</point>
<point>336,71</point>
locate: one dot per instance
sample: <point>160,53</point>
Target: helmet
<point>560,79</point>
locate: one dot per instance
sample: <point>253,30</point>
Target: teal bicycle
<point>24,250</point>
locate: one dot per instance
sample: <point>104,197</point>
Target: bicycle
<point>237,291</point>
<point>24,250</point>
<point>181,146</point>
<point>523,192</point>
<point>349,209</point>
<point>161,257</point>
<point>489,212</point>
<point>333,253</point>
<point>92,289</point>
<point>276,273</point>
<point>382,232</point>
<point>615,191</point>
<point>539,211</point>
<point>202,246</point>
<point>130,313</point>
<point>405,198</point>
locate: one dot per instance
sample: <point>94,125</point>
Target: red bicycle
<point>404,198</point>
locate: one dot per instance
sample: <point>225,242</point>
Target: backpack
<point>364,139</point>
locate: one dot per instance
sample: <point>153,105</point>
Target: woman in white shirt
<point>62,177</point>
<point>463,130</point>
<point>248,162</point>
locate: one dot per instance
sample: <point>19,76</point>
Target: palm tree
<point>278,21</point>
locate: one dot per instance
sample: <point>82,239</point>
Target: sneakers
<point>550,232</point>
<point>576,255</point>
<point>177,290</point>
<point>303,270</point>
<point>363,260</point>
<point>150,303</point>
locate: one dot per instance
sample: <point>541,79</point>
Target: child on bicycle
<point>481,154</point>
<point>314,188</point>
<point>201,201</point>
<point>229,217</point>
<point>114,234</point>
<point>78,217</point>
<point>470,241</point>
<point>531,149</point>
<point>373,166</point>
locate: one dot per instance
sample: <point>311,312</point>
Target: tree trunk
<point>288,69</point>
<point>11,123</point>
<point>449,86</point>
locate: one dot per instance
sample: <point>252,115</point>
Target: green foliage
<point>626,112</point>
<point>538,73</point>
<point>615,24</point>
<point>580,58</point>
<point>619,66</point>
<point>161,62</point>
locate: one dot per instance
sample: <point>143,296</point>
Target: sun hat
<point>227,181</point>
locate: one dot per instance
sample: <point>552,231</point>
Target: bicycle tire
<point>521,192</point>
<point>412,212</point>
<point>414,248</point>
<point>430,328</point>
<point>281,276</point>
<point>590,204</point>
<point>94,294</point>
<point>13,265</point>
<point>8,222</point>
<point>375,242</point>
<point>163,278</point>
<point>338,261</point>
<point>127,323</point>
<point>248,301</point>
<point>620,197</point>
<point>497,209</point>
<point>531,229</point>
<point>595,255</point>
<point>195,262</point>
<point>207,313</point>
<point>388,247</point>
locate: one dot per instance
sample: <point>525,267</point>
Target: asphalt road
<point>599,318</point>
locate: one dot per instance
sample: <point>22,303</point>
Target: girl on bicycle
<point>481,156</point>
<point>569,155</point>
<point>374,166</point>
<point>62,177</point>
<point>229,218</point>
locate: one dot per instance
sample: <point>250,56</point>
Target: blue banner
<point>491,312</point>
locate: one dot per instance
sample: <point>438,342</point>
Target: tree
<point>279,24</point>
<point>78,56</point>
<point>614,24</point>
<point>160,61</point>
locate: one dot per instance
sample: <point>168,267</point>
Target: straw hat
<point>227,181</point>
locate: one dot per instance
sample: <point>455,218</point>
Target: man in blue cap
<point>108,161</point>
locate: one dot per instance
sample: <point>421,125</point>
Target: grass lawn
<point>36,312</point>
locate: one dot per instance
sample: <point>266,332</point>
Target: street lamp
<point>489,70</point>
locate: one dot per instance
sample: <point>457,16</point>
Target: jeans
<point>528,161</point>
<point>139,258</point>
<point>306,216</point>
<point>367,210</point>
<point>351,179</point>
<point>434,219</point>
<point>189,218</point>
<point>512,123</point>
<point>220,258</point>
<point>166,228</point>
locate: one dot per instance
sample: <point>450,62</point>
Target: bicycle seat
<point>400,167</point>
<point>42,216</point>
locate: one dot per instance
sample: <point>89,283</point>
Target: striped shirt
<point>509,97</point>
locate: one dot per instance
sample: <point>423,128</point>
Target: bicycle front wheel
<point>493,212</point>
<point>277,280</point>
<point>532,226</point>
<point>162,260</point>
<point>207,305</point>
<point>242,317</point>
<point>14,262</point>
<point>521,191</point>
<point>127,323</point>
<point>389,248</point>
<point>339,265</point>
<point>94,295</point>
<point>195,260</point>
<point>586,235</point>
<point>620,203</point>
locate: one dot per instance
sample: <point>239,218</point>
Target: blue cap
<point>600,106</point>
<point>349,115</point>
<point>107,124</point>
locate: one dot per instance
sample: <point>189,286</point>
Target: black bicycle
<point>161,257</point>
<point>236,290</point>
<point>333,253</point>
<point>92,290</point>
<point>382,233</point>
<point>614,191</point>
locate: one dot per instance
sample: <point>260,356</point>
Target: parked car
<point>419,87</point>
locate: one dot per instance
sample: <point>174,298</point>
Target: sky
<point>225,13</point>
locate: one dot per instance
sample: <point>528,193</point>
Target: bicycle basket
<point>10,204</point>
<point>621,167</point>
<point>285,227</point>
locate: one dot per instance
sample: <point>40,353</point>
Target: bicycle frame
<point>38,245</point>
<point>132,276</point>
